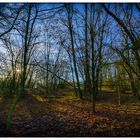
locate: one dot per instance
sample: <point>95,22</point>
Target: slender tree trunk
<point>73,75</point>
<point>87,74</point>
<point>119,95</point>
<point>70,11</point>
<point>23,80</point>
<point>93,55</point>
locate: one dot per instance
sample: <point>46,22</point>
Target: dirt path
<point>66,115</point>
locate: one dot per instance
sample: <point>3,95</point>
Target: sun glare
<point>18,70</point>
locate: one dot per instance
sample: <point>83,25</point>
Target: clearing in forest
<point>66,115</point>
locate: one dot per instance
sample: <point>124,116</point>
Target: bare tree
<point>69,10</point>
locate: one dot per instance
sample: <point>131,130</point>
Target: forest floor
<point>65,115</point>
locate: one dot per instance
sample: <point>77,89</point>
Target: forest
<point>69,69</point>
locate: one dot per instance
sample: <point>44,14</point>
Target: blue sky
<point>113,27</point>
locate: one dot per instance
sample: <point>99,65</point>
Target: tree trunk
<point>93,64</point>
<point>70,11</point>
<point>88,87</point>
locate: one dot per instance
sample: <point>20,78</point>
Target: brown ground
<point>66,115</point>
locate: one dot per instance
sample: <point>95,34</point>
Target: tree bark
<point>70,12</point>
